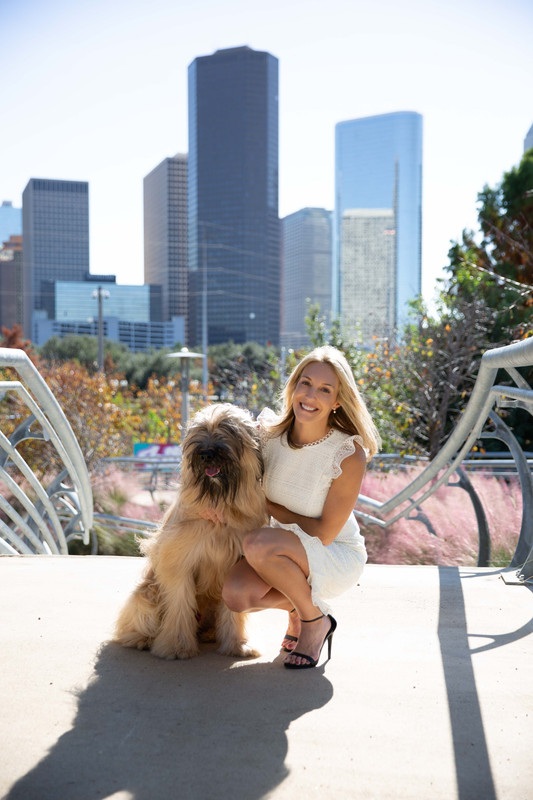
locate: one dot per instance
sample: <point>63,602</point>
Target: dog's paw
<point>238,650</point>
<point>162,650</point>
<point>134,639</point>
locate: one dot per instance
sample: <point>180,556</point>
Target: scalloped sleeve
<point>346,449</point>
<point>266,418</point>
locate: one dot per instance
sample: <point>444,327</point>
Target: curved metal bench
<point>38,519</point>
<point>482,407</point>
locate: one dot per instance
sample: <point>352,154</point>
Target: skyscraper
<point>234,258</point>
<point>55,233</point>
<point>378,165</point>
<point>165,234</point>
<point>10,220</point>
<point>306,271</point>
<point>368,273</point>
<point>11,281</point>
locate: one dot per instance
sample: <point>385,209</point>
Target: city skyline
<point>105,104</point>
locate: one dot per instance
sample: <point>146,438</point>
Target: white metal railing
<point>41,520</point>
<point>35,518</point>
<point>485,399</point>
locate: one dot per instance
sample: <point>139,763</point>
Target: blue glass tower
<point>378,165</point>
<point>234,244</point>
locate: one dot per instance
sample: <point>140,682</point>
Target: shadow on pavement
<point>205,728</point>
<point>472,763</point>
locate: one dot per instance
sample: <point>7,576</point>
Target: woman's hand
<point>280,513</point>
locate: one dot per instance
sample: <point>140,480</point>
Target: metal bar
<point>18,360</point>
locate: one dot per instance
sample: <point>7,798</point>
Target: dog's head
<point>221,453</point>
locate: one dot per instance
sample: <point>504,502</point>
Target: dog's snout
<point>208,453</point>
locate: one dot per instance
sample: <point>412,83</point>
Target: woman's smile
<point>315,397</point>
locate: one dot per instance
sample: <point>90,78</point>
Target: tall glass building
<point>130,314</point>
<point>165,233</point>
<point>66,301</point>
<point>55,233</point>
<point>306,271</point>
<point>234,250</point>
<point>378,165</point>
<point>368,276</point>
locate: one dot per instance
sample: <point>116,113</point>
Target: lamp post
<point>100,294</point>
<point>184,355</point>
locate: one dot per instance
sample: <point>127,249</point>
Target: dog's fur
<point>180,599</point>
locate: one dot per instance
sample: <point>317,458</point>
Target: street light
<point>184,355</point>
<point>100,294</point>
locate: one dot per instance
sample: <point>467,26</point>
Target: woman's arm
<point>339,504</point>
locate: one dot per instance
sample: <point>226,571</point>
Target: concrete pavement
<point>428,695</point>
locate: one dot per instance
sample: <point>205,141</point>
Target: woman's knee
<point>234,598</point>
<point>237,593</point>
<point>258,545</point>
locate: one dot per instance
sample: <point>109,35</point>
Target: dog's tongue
<point>212,471</point>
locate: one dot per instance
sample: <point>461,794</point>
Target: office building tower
<point>528,141</point>
<point>378,165</point>
<point>11,282</point>
<point>165,233</point>
<point>234,250</point>
<point>10,221</point>
<point>306,271</point>
<point>55,230</point>
<point>368,274</point>
<point>131,314</point>
<point>67,301</point>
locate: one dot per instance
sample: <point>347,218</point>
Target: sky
<point>97,91</point>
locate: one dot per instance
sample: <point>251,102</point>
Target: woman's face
<point>315,395</point>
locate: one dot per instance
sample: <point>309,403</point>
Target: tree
<point>499,268</point>
<point>431,372</point>
<point>14,337</point>
<point>84,350</point>
<point>247,375</point>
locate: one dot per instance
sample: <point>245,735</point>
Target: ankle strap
<point>313,620</point>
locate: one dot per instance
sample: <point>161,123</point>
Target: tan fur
<point>179,599</point>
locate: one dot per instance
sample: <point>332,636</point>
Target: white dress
<point>299,479</point>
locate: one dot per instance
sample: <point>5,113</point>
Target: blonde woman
<point>315,455</point>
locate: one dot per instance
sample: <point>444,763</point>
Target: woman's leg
<point>244,590</point>
<point>278,558</point>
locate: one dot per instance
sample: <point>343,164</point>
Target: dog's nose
<point>208,454</point>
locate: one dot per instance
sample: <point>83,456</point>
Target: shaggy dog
<point>179,602</point>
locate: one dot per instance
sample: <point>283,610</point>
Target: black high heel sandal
<point>290,637</point>
<point>311,662</point>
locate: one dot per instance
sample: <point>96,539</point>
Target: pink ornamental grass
<point>453,539</point>
<point>125,494</point>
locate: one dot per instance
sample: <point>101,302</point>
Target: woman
<point>315,455</point>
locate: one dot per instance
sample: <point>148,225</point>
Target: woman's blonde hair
<point>352,415</point>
